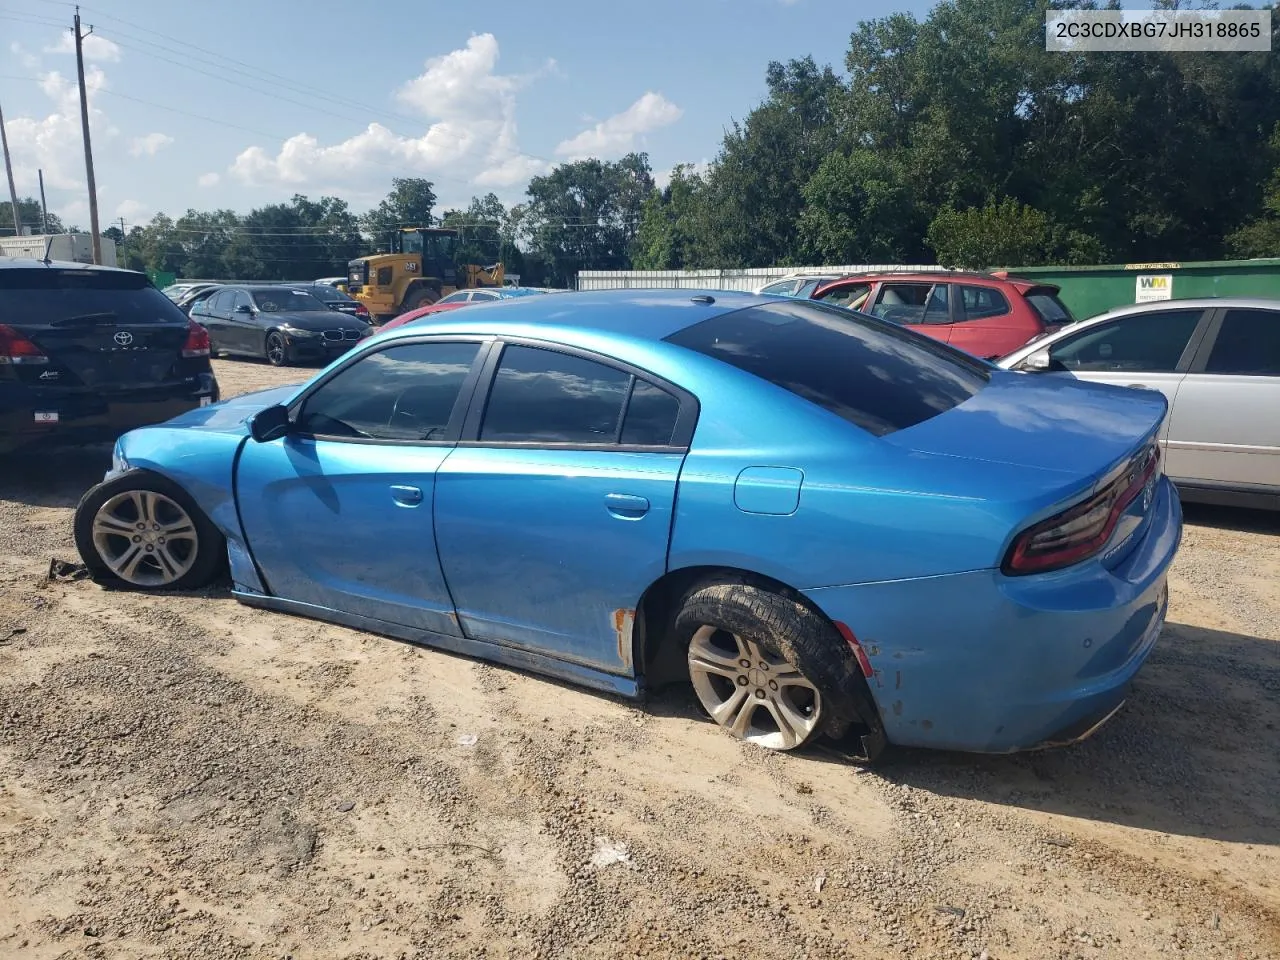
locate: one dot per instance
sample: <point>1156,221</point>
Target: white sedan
<point>1218,362</point>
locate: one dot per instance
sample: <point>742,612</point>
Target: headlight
<point>295,332</point>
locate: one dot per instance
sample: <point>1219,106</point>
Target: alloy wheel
<point>276,350</point>
<point>145,538</point>
<point>754,694</point>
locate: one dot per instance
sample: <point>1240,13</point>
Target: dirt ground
<point>185,777</point>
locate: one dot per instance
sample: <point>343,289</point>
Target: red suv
<point>986,314</point>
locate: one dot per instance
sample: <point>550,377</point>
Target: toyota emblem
<point>124,338</point>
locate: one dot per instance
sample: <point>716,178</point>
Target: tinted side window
<point>221,302</point>
<point>401,393</point>
<point>651,416</point>
<point>903,302</point>
<point>870,373</point>
<point>541,395</point>
<point>241,300</point>
<point>1248,343</point>
<point>937,309</point>
<point>850,296</point>
<point>1142,343</point>
<point>980,302</point>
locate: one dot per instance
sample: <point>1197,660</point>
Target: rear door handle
<point>406,495</point>
<point>626,507</point>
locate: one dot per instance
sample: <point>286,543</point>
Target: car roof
<point>30,263</point>
<point>638,314</point>
<point>1132,309</point>
<point>1197,303</point>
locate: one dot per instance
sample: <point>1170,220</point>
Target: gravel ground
<point>186,777</point>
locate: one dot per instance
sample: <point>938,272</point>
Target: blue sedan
<point>829,525</point>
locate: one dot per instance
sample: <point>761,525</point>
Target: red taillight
<point>858,653</point>
<point>362,310</point>
<point>17,348</point>
<point>197,344</point>
<point>1080,532</point>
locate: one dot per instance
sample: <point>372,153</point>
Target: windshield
<point>281,300</point>
<point>870,373</point>
<point>48,296</point>
<point>329,295</point>
<point>519,292</point>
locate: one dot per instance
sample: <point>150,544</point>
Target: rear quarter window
<point>1049,308</point>
<point>46,296</point>
<point>869,372</point>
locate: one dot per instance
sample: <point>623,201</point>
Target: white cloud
<point>53,142</point>
<point>95,47</point>
<point>620,133</point>
<point>29,60</point>
<point>471,133</point>
<point>132,210</point>
<point>209,180</point>
<point>149,145</point>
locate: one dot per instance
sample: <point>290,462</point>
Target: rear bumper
<point>81,418</point>
<point>987,663</point>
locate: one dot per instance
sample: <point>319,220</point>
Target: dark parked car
<point>200,292</point>
<point>335,299</point>
<point>280,324</point>
<point>88,353</point>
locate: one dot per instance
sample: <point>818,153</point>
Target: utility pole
<point>88,150</point>
<point>44,210</point>
<point>8,169</point>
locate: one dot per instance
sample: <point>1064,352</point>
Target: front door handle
<point>406,495</point>
<point>626,507</point>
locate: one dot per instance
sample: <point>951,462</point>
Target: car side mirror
<point>244,308</point>
<point>1038,362</point>
<point>270,424</point>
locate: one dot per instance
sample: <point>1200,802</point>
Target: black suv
<point>88,353</point>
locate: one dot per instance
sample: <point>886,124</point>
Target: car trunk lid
<point>1083,430</point>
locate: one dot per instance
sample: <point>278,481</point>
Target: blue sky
<point>476,97</point>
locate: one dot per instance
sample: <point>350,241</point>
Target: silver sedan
<point>1218,362</point>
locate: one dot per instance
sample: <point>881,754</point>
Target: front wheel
<point>277,350</point>
<point>147,533</point>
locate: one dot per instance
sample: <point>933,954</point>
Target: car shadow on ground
<point>1232,518</point>
<point>52,477</point>
<point>1195,752</point>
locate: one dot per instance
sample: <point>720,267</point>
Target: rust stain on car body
<point>624,622</point>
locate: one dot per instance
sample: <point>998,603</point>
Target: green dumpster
<point>1090,290</point>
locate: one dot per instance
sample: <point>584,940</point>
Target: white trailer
<point>74,247</point>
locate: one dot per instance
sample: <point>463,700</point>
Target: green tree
<point>1260,237</point>
<point>585,215</point>
<point>1005,233</point>
<point>29,211</point>
<point>299,240</point>
<point>753,192</point>
<point>673,230</point>
<point>411,203</point>
<point>485,230</point>
<point>859,209</point>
